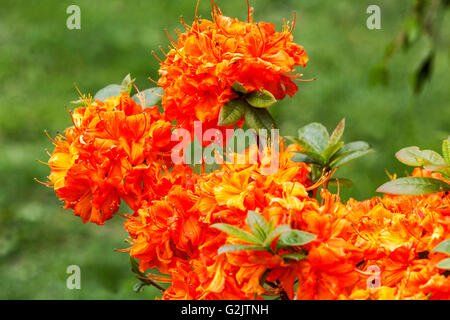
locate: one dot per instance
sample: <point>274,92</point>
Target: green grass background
<point>40,60</point>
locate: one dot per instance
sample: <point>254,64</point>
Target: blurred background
<point>41,60</point>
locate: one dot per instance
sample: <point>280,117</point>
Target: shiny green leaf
<point>149,97</point>
<point>238,87</point>
<point>331,150</point>
<point>231,112</point>
<point>109,91</point>
<point>257,224</point>
<point>337,133</point>
<point>236,233</point>
<point>347,157</point>
<point>262,99</point>
<point>315,135</point>
<point>277,232</point>
<point>258,119</point>
<point>413,156</point>
<point>414,186</point>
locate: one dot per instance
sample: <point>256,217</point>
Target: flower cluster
<point>395,234</point>
<point>237,232</point>
<point>115,149</point>
<point>210,56</point>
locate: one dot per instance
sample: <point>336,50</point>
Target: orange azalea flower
<point>112,148</point>
<point>210,56</point>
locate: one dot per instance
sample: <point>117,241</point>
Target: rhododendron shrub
<point>236,232</point>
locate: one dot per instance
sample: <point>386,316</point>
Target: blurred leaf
<point>109,91</point>
<point>413,156</point>
<point>236,233</point>
<point>414,186</point>
<point>149,97</point>
<point>262,99</point>
<point>412,28</point>
<point>422,74</point>
<point>231,112</point>
<point>314,135</point>
<point>257,118</point>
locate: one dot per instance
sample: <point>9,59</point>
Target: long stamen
<point>46,133</point>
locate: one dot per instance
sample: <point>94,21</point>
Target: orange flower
<point>112,148</point>
<point>210,56</point>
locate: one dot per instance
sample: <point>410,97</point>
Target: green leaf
<point>236,233</point>
<point>257,224</point>
<point>443,247</point>
<point>304,158</point>
<point>317,157</point>
<point>127,84</point>
<point>240,247</point>
<point>231,112</point>
<point>149,97</point>
<point>294,238</point>
<point>413,156</point>
<point>238,87</point>
<point>351,147</point>
<point>345,158</point>
<point>446,150</point>
<point>343,182</point>
<point>259,119</point>
<point>294,256</point>
<point>109,91</point>
<point>444,264</point>
<point>262,99</point>
<point>331,150</point>
<point>337,133</point>
<point>277,232</point>
<point>414,186</point>
<point>315,135</point>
